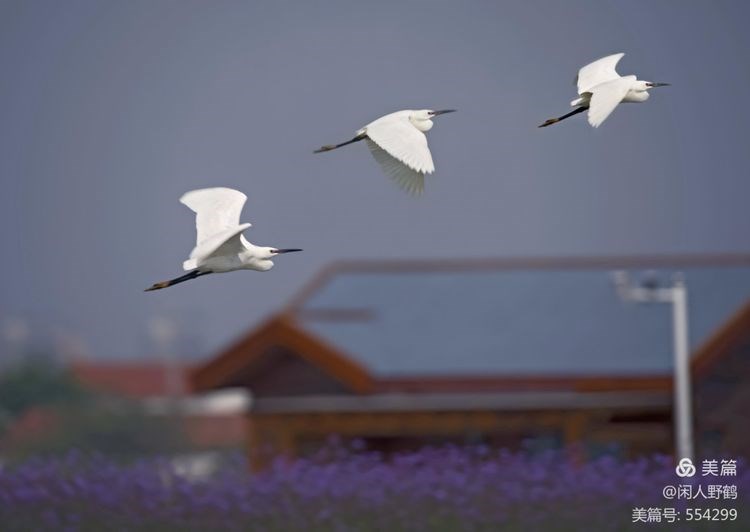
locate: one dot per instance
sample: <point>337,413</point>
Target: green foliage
<point>36,383</point>
<point>79,418</point>
<point>117,428</point>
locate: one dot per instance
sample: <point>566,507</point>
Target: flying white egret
<point>220,246</point>
<point>399,145</point>
<point>601,89</point>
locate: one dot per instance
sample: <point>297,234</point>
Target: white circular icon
<point>685,468</point>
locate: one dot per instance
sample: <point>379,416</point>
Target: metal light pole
<point>164,332</point>
<point>676,295</point>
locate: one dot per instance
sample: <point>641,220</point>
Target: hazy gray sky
<point>109,111</point>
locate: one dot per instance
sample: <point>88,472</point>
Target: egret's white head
<point>641,85</point>
<point>266,254</point>
<point>269,253</point>
<point>422,119</point>
<point>640,88</point>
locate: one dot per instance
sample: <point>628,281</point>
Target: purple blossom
<point>345,488</point>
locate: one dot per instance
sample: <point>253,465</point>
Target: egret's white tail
<point>579,101</point>
<point>189,264</point>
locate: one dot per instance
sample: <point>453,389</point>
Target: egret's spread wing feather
<point>398,136</point>
<point>605,97</point>
<point>600,71</point>
<point>216,209</point>
<point>408,179</point>
<point>226,242</point>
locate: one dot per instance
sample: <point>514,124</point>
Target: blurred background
<point>482,312</point>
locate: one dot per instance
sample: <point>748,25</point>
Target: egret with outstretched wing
<point>220,246</point>
<point>399,145</point>
<point>601,89</point>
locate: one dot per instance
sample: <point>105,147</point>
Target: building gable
<point>278,356</point>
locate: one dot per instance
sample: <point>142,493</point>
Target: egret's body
<point>399,145</point>
<point>220,246</point>
<point>601,89</point>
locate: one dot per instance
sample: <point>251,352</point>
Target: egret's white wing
<point>398,136</point>
<point>598,72</point>
<point>605,97</point>
<point>227,242</point>
<point>406,178</point>
<point>216,209</point>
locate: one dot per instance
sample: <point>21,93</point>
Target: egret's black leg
<point>563,117</point>
<point>187,277</point>
<point>329,147</point>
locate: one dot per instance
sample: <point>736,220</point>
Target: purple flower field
<point>444,489</point>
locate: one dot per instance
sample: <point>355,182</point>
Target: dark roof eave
<point>513,401</point>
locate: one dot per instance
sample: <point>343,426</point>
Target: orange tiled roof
<point>131,379</point>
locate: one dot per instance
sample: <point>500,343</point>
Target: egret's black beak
<point>280,251</point>
<point>444,111</point>
<point>660,85</point>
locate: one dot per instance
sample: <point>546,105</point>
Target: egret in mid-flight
<point>399,145</point>
<point>220,246</point>
<point>601,89</point>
